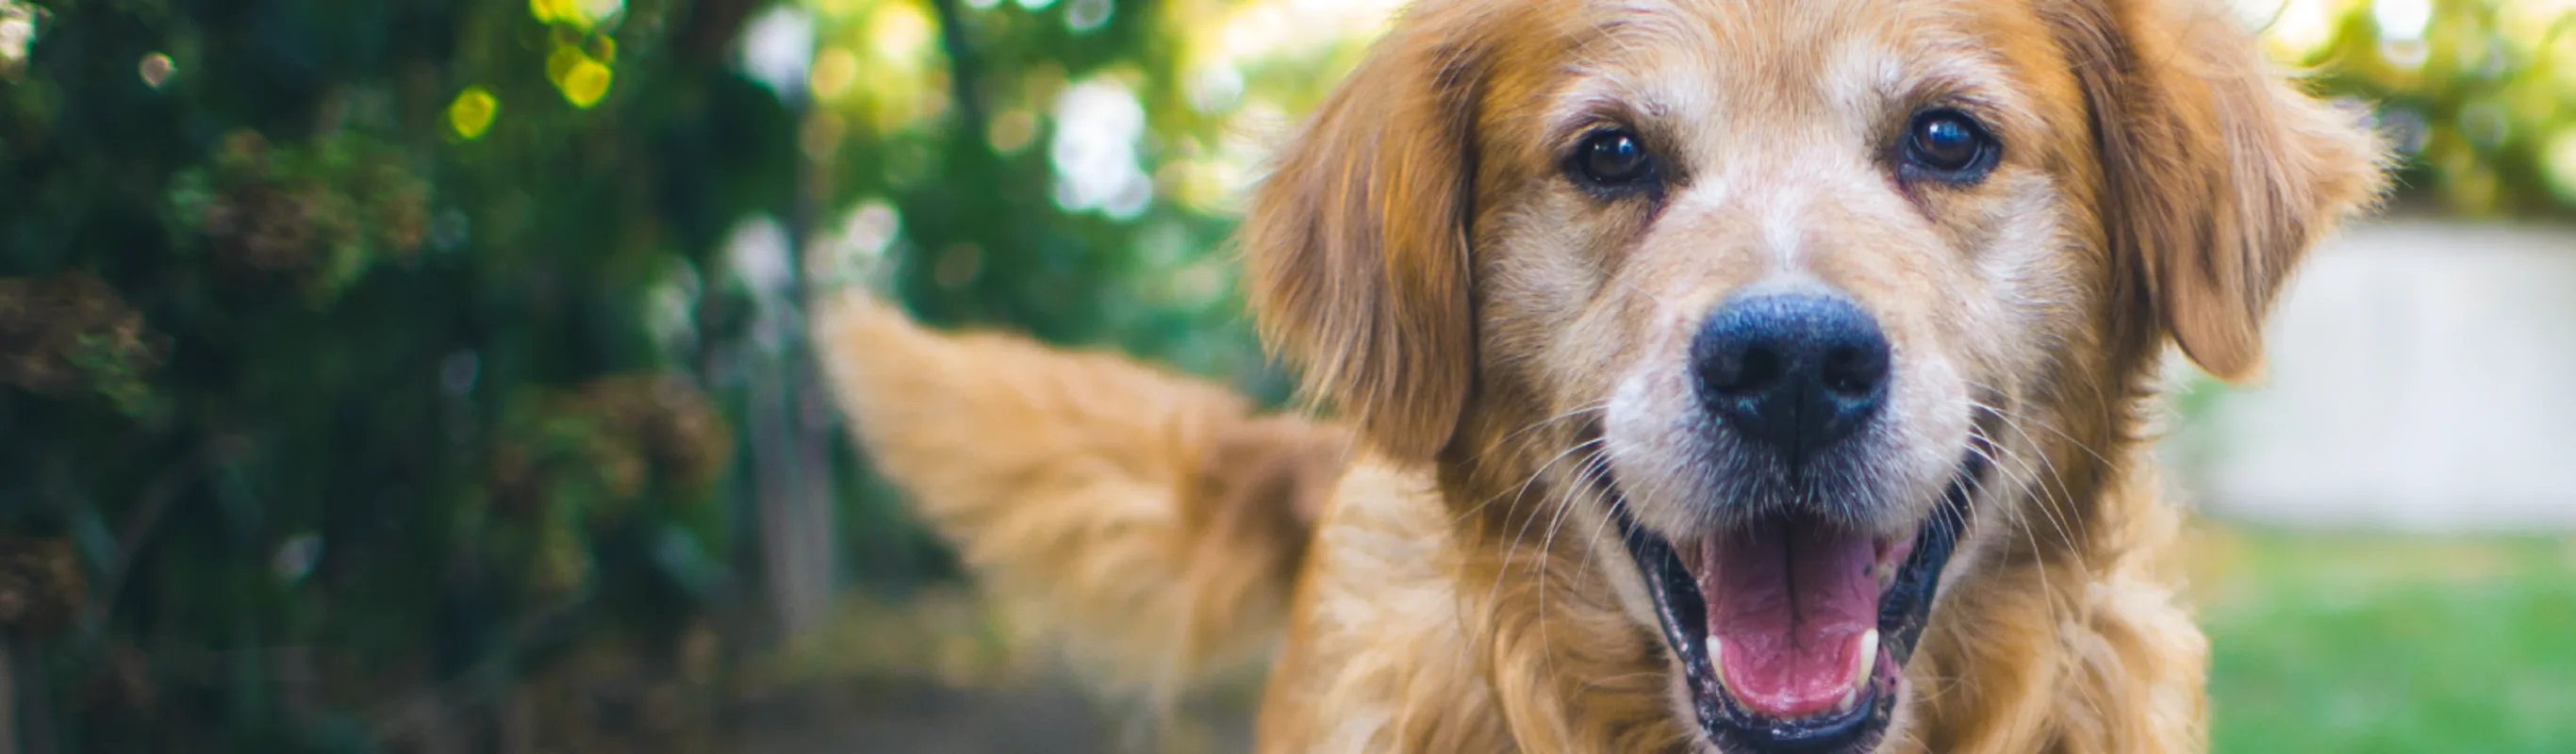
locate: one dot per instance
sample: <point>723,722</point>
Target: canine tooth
<point>1717,659</point>
<point>1850,696</point>
<point>1868,659</point>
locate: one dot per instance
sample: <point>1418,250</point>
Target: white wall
<point>2423,376</point>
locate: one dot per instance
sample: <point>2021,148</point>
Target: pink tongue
<point>1787,601</point>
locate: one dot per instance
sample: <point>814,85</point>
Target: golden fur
<point>1472,318</point>
<point>1151,521</point>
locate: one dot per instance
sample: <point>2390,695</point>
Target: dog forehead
<point>1774,61</point>
<point>1777,28</point>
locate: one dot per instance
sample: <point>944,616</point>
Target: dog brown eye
<point>1948,145</point>
<point>1612,159</point>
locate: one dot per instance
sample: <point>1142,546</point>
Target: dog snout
<point>1790,373</point>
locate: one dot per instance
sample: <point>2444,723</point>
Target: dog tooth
<point>1868,659</point>
<point>1717,659</point>
<point>1850,696</point>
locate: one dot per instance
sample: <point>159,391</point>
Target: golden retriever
<point>1713,375</point>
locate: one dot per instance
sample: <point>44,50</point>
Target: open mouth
<point>1792,631</point>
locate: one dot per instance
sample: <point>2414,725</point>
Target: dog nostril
<point>1754,371</point>
<point>1852,371</point>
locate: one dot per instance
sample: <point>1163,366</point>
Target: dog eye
<point>1612,159</point>
<point>1948,145</point>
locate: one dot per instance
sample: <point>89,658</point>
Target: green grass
<point>2371,643</point>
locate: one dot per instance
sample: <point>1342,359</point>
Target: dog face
<point>1804,297</point>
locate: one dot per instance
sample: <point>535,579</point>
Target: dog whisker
<point>1546,551</point>
<point>2053,490</point>
<point>1511,552</point>
<point>1534,475</point>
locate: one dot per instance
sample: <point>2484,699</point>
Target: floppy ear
<point>1357,243</point>
<point>2220,172</point>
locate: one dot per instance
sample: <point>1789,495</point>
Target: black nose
<point>1791,372</point>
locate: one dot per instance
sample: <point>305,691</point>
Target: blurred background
<point>428,375</point>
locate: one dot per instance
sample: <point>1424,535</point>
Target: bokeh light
<point>778,49</point>
<point>17,34</point>
<point>2401,20</point>
<point>581,79</point>
<point>580,14</point>
<point>471,113</point>
<point>2560,159</point>
<point>1098,126</point>
<point>155,69</point>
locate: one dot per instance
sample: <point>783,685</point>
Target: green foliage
<point>976,173</point>
<point>2478,95</point>
<point>292,366</point>
<point>296,214</point>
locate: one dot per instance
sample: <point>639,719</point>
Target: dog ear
<point>2220,172</point>
<point>1357,243</point>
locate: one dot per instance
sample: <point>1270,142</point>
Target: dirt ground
<point>919,716</point>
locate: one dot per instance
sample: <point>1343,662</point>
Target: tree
<point>339,359</point>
